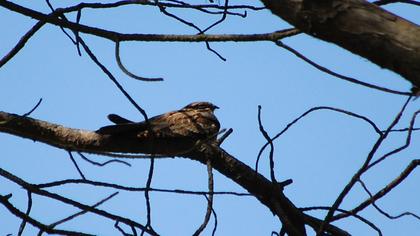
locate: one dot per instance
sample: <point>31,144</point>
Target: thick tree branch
<point>265,191</point>
<point>361,27</point>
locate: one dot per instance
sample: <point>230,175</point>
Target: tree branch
<point>265,191</point>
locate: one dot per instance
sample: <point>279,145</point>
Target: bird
<point>196,121</point>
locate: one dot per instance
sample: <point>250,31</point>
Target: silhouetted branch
<point>209,200</point>
<point>53,225</point>
<point>5,201</point>
<point>330,72</point>
<point>135,189</point>
<point>270,141</point>
<point>21,43</point>
<point>382,211</point>
<point>384,2</point>
<point>34,108</point>
<point>36,190</point>
<point>75,165</point>
<point>399,149</point>
<point>362,169</point>
<point>224,136</point>
<point>28,211</point>
<point>104,163</point>
<point>362,219</point>
<point>126,71</point>
<point>404,174</point>
<point>113,79</point>
<point>265,191</point>
<point>147,196</point>
<point>288,126</point>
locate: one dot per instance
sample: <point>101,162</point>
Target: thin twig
<point>382,211</point>
<point>134,189</point>
<point>104,163</point>
<point>126,71</point>
<point>330,72</point>
<point>28,211</point>
<point>384,2</point>
<point>224,136</point>
<point>213,232</point>
<point>399,149</point>
<point>75,164</point>
<point>209,199</point>
<point>362,219</point>
<point>147,196</point>
<point>33,108</point>
<point>5,201</point>
<point>270,142</point>
<point>53,225</point>
<point>21,43</point>
<point>36,190</point>
<point>404,174</point>
<point>113,79</point>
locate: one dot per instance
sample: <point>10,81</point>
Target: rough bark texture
<point>360,27</point>
<point>268,193</point>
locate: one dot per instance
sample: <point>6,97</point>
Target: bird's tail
<point>122,126</point>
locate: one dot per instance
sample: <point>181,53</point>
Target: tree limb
<point>271,195</point>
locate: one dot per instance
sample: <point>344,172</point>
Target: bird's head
<point>204,106</point>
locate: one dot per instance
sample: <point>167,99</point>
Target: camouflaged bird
<point>195,121</point>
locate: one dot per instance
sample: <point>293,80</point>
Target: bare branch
<point>112,78</point>
<point>384,2</point>
<point>21,43</point>
<point>382,211</point>
<point>330,72</point>
<point>126,71</point>
<point>404,174</point>
<point>264,190</point>
<point>209,200</point>
<point>53,225</point>
<point>5,201</point>
<point>34,108</point>
<point>362,169</point>
<point>75,165</point>
<point>399,149</point>
<point>147,196</point>
<point>104,163</point>
<point>363,118</point>
<point>270,141</point>
<point>362,219</point>
<point>28,211</point>
<point>41,192</point>
<point>136,189</point>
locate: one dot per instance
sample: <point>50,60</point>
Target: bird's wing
<point>185,124</point>
<point>126,127</point>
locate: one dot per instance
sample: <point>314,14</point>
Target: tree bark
<point>362,28</point>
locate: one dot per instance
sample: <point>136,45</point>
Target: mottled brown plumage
<point>195,121</point>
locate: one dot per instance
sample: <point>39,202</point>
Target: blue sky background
<point>320,153</point>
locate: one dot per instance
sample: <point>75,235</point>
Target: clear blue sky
<point>320,153</point>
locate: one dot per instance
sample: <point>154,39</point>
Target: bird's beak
<point>215,107</point>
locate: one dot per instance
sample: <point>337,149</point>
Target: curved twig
<point>125,70</point>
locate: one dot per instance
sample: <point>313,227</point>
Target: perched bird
<point>194,122</point>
